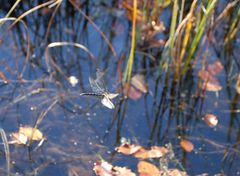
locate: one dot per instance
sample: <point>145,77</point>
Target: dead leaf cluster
<point>137,87</point>
<point>103,168</point>
<point>26,134</point>
<point>141,152</point>
<point>209,82</point>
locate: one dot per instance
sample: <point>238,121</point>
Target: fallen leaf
<point>139,83</point>
<point>211,120</point>
<point>237,86</point>
<point>186,145</point>
<point>31,133</point>
<point>176,172</point>
<point>123,171</point>
<point>132,93</point>
<point>213,87</point>
<point>19,138</point>
<point>128,149</point>
<point>215,68</point>
<point>154,152</point>
<point>206,76</point>
<point>147,169</point>
<point>103,168</point>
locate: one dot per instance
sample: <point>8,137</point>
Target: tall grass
<point>128,71</point>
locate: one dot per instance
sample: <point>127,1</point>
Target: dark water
<point>79,129</point>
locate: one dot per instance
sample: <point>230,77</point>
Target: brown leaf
<point>31,133</point>
<point>19,138</point>
<point>128,149</point>
<point>215,68</point>
<point>123,171</point>
<point>213,87</point>
<point>211,120</point>
<point>206,76</point>
<point>147,169</point>
<point>103,168</point>
<point>154,152</point>
<point>132,93</point>
<point>139,83</point>
<point>176,172</point>
<point>237,86</point>
<point>186,145</point>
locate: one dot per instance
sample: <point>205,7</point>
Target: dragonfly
<point>99,90</point>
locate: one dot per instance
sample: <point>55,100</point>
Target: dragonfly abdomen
<point>91,94</point>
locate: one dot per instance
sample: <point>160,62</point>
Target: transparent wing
<point>98,85</point>
<point>96,88</point>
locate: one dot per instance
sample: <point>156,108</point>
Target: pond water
<point>35,90</point>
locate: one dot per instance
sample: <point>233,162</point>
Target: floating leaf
<point>154,152</point>
<point>209,81</point>
<point>128,149</point>
<point>186,145</point>
<point>215,68</point>
<point>147,169</point>
<point>139,83</point>
<point>132,93</point>
<point>123,171</point>
<point>176,172</point>
<point>213,87</point>
<point>103,168</point>
<point>206,76</point>
<point>19,138</point>
<point>211,120</point>
<point>31,133</point>
<point>237,86</point>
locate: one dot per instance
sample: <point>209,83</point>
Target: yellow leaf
<point>31,133</point>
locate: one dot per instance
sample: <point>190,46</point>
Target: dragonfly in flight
<point>99,90</point>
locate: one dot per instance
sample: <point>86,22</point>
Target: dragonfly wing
<point>100,80</point>
<point>95,86</point>
<point>112,95</point>
<point>107,102</point>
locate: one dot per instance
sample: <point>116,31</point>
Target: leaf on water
<point>186,145</point>
<point>147,169</point>
<point>123,171</point>
<point>209,82</point>
<point>237,86</point>
<point>206,76</point>
<point>132,93</point>
<point>215,68</point>
<point>19,138</point>
<point>138,81</point>
<point>211,120</point>
<point>176,172</point>
<point>154,152</point>
<point>103,168</point>
<point>31,133</point>
<point>213,87</point>
<point>128,149</point>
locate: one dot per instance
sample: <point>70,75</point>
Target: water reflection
<point>173,108</point>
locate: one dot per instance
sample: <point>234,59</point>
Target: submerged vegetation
<point>173,67</point>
